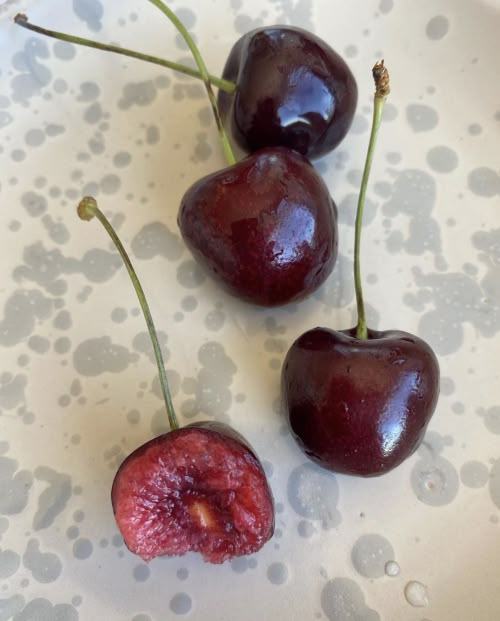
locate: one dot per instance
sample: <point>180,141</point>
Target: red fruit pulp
<point>200,488</point>
<point>266,227</point>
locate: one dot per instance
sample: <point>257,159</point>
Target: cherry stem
<point>382,89</point>
<point>88,209</point>
<point>22,20</point>
<point>204,76</point>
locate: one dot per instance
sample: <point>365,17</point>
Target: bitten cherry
<point>200,488</point>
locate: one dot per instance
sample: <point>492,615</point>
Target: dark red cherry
<point>292,90</point>
<point>200,488</point>
<point>359,406</point>
<point>265,227</point>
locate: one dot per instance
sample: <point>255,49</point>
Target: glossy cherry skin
<point>266,227</point>
<point>355,406</point>
<point>200,488</point>
<point>292,90</point>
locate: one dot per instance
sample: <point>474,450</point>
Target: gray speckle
<point>152,134</point>
<point>181,604</point>
<point>421,118</point>
<point>45,567</point>
<point>386,6</point>
<point>62,321</point>
<point>437,27</point>
<point>38,344</point>
<point>157,239</point>
<point>119,314</point>
<point>141,573</point>
<point>434,479</point>
<point>99,355</point>
<point>442,159</point>
<point>474,474</point>
<point>89,91</point>
<point>90,12</point>
<point>491,418</point>
<point>42,610</point>
<point>12,390</point>
<point>93,114</point>
<point>189,303</point>
<point>183,573</point>
<point>64,50</point>
<point>277,573</point>
<point>474,129</point>
<point>62,345</point>
<point>370,554</point>
<point>306,529</point>
<point>360,124</point>
<point>82,549</point>
<point>33,75</point>
<point>190,275</point>
<point>137,94</point>
<point>122,159</point>
<point>35,204</point>
<point>15,485</point>
<point>313,494</point>
<point>57,231</point>
<point>343,600</point>
<point>494,485</point>
<point>9,564</point>
<point>53,499</point>
<point>215,320</point>
<point>110,184</point>
<point>34,137</point>
<point>142,618</point>
<point>53,130</point>
<point>484,181</point>
<point>11,606</point>
<point>60,86</point>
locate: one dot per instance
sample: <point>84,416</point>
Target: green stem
<point>204,75</point>
<point>381,78</point>
<point>225,85</point>
<point>87,209</point>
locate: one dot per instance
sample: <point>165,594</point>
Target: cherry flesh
<point>359,406</point>
<point>266,227</point>
<point>200,488</point>
<point>292,90</point>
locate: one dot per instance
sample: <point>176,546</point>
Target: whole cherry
<point>358,401</point>
<point>266,227</point>
<point>281,86</point>
<point>199,488</point>
<point>292,90</point>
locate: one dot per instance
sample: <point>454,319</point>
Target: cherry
<point>281,86</point>
<point>292,90</point>
<point>201,488</point>
<point>358,401</point>
<point>265,227</point>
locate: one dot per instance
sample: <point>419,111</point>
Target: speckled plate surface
<point>78,387</point>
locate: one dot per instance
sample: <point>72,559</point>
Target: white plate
<point>76,386</point>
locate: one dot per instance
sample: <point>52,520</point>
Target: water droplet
<point>416,594</point>
<point>392,569</point>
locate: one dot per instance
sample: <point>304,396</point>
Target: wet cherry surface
<point>266,227</point>
<point>199,488</point>
<point>292,90</point>
<point>359,406</point>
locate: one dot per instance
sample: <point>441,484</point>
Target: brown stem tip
<point>87,207</point>
<point>381,77</point>
<point>21,18</point>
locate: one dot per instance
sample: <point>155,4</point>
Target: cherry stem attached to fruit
<point>204,75</point>
<point>382,89</point>
<point>22,20</point>
<point>87,210</point>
